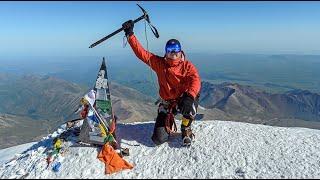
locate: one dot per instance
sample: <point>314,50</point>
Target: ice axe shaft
<point>144,16</point>
<point>114,33</point>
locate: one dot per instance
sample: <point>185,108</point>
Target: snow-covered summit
<point>222,149</point>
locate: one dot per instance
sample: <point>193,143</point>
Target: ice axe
<point>144,16</point>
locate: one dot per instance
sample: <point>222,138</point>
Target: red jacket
<point>174,76</point>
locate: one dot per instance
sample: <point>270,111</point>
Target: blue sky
<point>68,28</point>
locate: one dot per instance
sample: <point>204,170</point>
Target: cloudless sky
<point>68,28</point>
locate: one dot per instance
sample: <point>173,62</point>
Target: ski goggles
<point>173,49</point>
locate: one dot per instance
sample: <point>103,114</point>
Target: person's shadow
<point>141,133</point>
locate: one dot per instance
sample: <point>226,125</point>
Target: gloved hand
<point>128,27</point>
<point>186,105</point>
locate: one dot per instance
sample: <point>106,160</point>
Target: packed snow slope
<point>222,149</point>
<point>9,153</point>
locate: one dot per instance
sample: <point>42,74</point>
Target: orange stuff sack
<point>112,160</point>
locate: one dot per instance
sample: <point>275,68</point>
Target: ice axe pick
<point>144,16</point>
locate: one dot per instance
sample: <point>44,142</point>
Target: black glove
<point>128,27</point>
<point>186,105</point>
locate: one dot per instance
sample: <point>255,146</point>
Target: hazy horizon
<point>274,73</point>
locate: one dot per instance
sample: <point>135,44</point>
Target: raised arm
<point>148,58</point>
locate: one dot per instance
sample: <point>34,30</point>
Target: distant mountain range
<point>31,103</point>
<point>241,102</point>
<point>56,99</point>
<point>16,130</point>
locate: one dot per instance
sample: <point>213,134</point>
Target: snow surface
<point>222,149</point>
<point>9,153</point>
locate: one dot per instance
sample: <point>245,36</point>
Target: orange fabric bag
<point>113,161</point>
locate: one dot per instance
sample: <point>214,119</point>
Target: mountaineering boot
<point>187,136</point>
<point>160,134</point>
<point>186,132</point>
